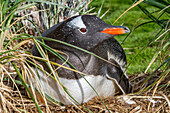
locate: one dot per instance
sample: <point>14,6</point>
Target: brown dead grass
<point>144,102</point>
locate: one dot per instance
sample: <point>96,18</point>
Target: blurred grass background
<point>139,38</point>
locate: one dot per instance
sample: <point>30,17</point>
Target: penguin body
<point>92,34</point>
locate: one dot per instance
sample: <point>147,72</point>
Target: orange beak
<point>116,30</point>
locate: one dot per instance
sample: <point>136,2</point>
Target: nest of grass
<point>144,102</point>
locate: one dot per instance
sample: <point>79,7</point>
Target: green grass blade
<point>166,62</point>
<point>62,58</point>
<point>157,53</point>
<point>55,53</point>
<point>24,83</point>
<point>159,4</point>
<point>145,47</point>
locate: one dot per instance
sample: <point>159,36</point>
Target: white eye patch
<point>77,22</point>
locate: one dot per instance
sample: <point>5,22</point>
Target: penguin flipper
<point>115,73</point>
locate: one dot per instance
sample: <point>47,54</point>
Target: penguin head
<point>84,31</point>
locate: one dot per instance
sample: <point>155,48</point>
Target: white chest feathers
<point>80,90</point>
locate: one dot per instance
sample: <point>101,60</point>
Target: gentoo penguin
<point>92,34</point>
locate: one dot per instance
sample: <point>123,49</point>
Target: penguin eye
<point>83,30</point>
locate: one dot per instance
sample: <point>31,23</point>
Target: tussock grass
<point>21,21</point>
